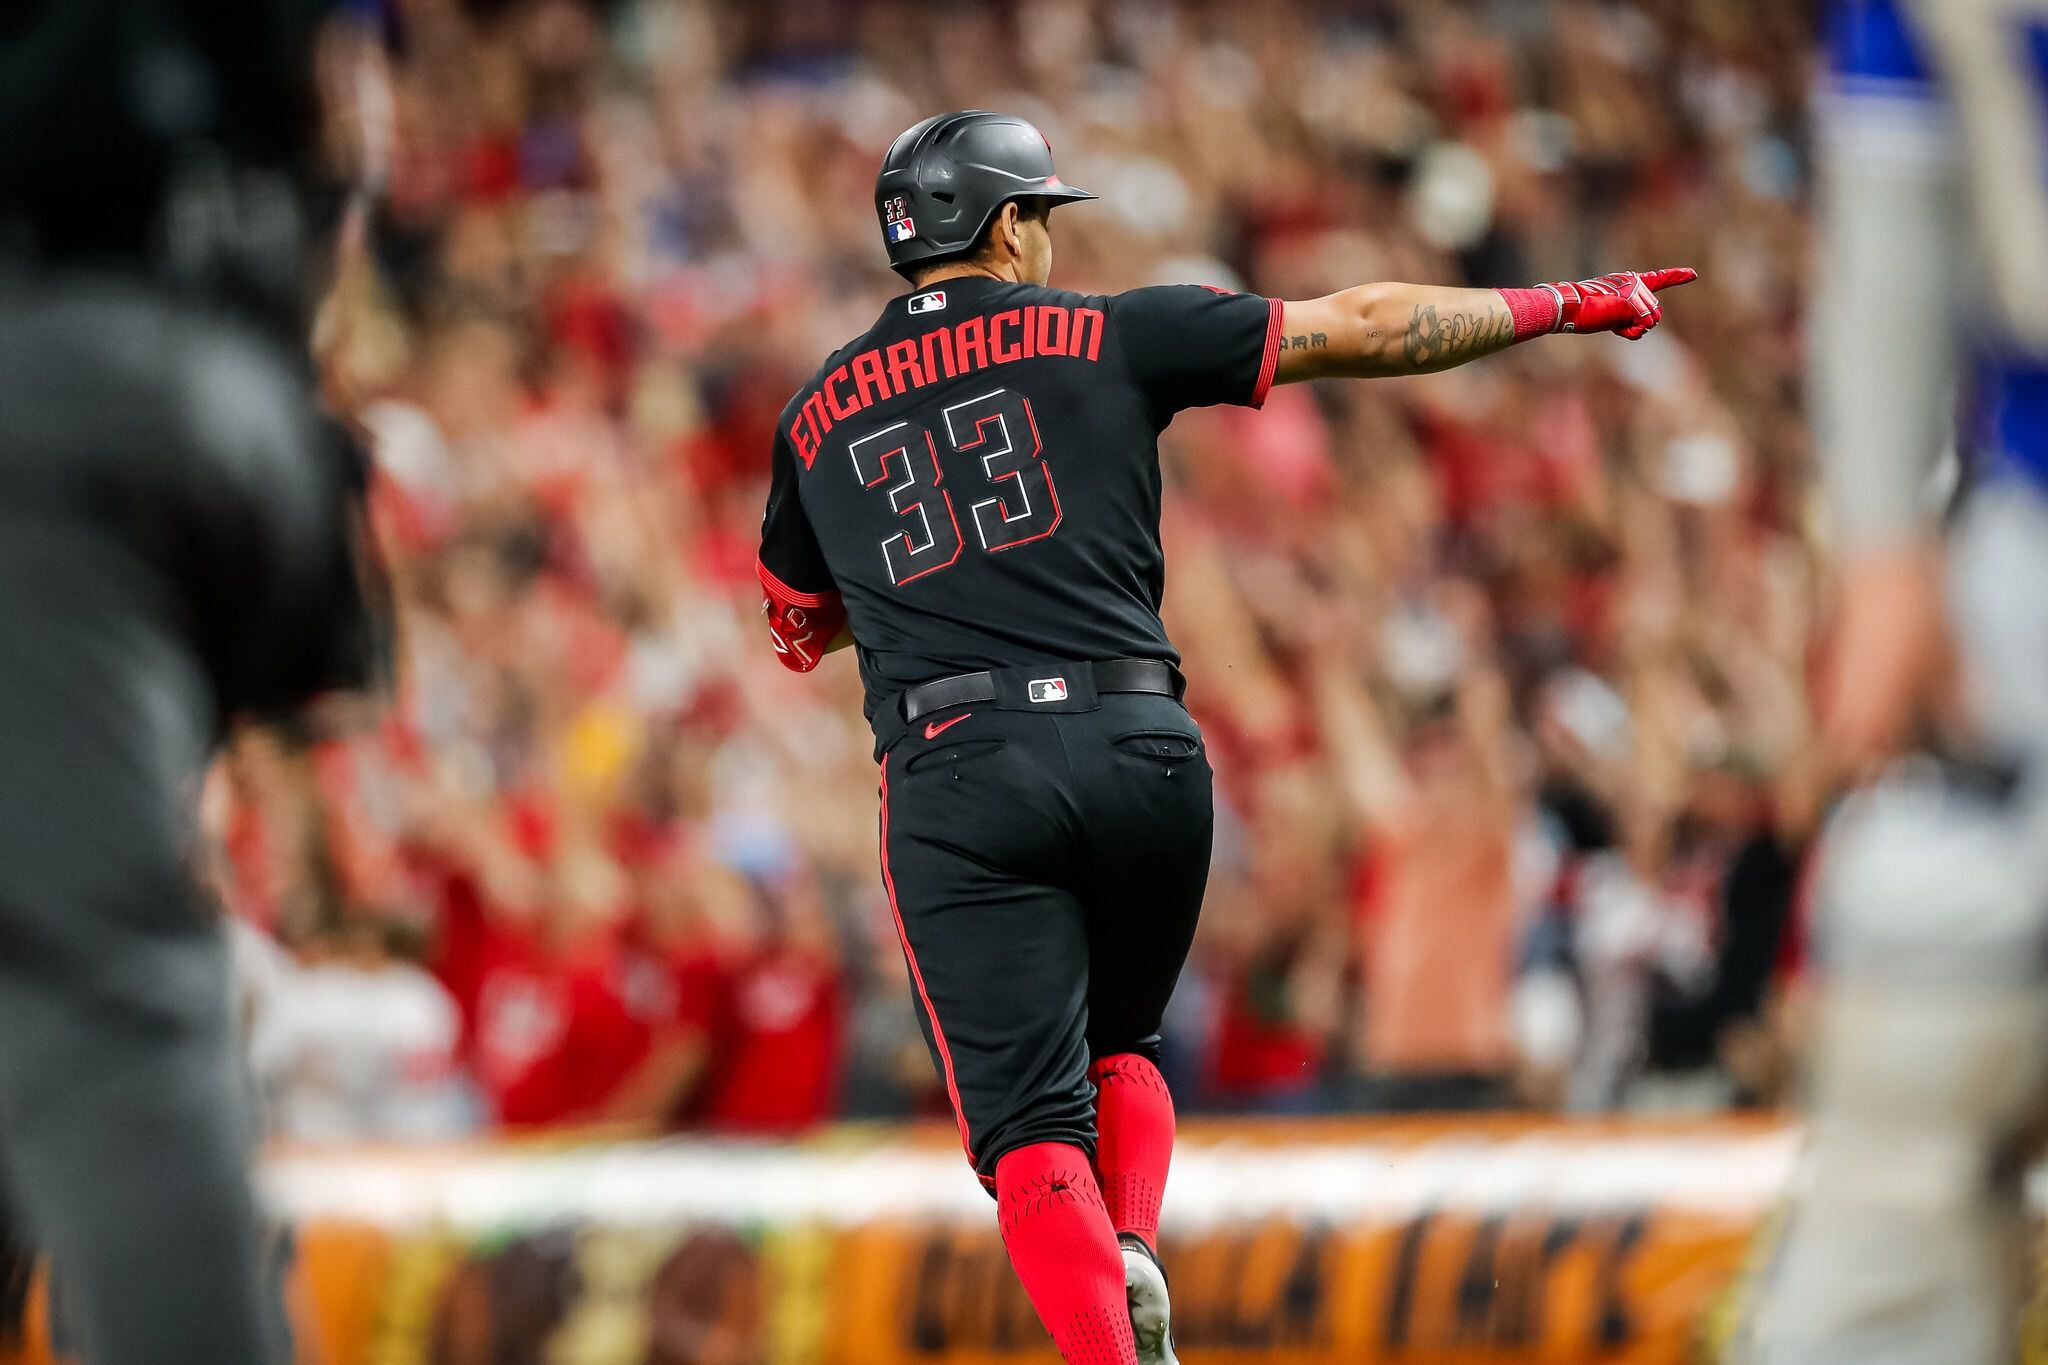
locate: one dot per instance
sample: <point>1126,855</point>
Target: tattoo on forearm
<point>1432,340</point>
<point>1302,343</point>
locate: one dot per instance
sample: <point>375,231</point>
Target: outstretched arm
<point>1392,329</point>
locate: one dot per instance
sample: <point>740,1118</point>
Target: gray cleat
<point>1151,1310</point>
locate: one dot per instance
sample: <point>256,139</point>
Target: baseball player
<point>968,493</point>
<point>1907,1239</point>
<point>177,545</point>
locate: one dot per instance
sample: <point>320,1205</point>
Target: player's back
<point>171,548</point>
<point>977,475</point>
<point>173,541</point>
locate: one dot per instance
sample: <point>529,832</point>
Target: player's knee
<point>1132,1068</point>
<point>1049,1122</point>
<point>1106,1047</point>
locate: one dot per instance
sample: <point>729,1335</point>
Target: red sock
<point>1134,1142</point>
<point>1063,1249</point>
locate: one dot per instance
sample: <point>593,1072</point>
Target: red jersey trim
<point>780,592</point>
<point>1270,362</point>
<point>917,976</point>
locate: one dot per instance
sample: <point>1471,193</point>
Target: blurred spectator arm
<point>1484,705</point>
<point>1368,768</point>
<point>358,117</point>
<point>656,1089</point>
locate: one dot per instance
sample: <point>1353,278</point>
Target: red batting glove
<point>1624,302</point>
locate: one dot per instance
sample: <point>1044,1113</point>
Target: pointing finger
<point>1670,277</point>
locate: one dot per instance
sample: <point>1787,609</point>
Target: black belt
<point>1110,675</point>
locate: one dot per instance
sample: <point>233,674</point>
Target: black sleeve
<point>792,567</point>
<point>298,564</point>
<point>334,603</point>
<point>1190,346</point>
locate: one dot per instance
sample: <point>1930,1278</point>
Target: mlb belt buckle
<point>1046,689</point>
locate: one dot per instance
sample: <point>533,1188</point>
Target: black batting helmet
<point>943,180</point>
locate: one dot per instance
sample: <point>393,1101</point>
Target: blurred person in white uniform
<point>1906,1240</point>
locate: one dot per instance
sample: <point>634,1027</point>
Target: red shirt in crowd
<point>773,1017</point>
<point>1261,1050</point>
<point>554,1037</point>
<point>548,1031</point>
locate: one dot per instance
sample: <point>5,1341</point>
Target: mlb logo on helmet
<point>931,301</point>
<point>1046,689</point>
<point>897,224</point>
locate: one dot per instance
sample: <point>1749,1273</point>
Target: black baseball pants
<point>1046,871</point>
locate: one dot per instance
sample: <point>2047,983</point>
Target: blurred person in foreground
<point>969,494</point>
<point>1906,1239</point>
<point>176,548</point>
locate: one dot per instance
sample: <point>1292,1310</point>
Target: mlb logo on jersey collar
<point>931,301</point>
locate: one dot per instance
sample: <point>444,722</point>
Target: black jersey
<point>975,479</point>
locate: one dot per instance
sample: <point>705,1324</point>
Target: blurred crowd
<point>1502,670</point>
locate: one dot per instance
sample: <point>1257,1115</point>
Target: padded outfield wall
<point>1291,1243</point>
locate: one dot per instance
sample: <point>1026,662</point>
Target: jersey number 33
<point>1008,490</point>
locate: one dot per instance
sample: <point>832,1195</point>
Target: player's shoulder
<point>1875,44</point>
<point>1884,96</point>
<point>1173,300</point>
<point>1069,298</point>
<point>1175,290</point>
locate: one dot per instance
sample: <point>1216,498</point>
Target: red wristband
<point>1535,311</point>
